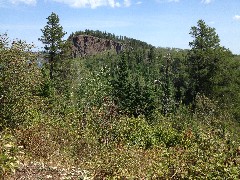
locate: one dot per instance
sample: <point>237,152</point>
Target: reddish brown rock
<point>84,45</point>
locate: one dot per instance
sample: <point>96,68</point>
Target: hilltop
<point>90,42</point>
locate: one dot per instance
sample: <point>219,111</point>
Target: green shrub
<point>19,80</point>
<point>134,132</point>
<point>8,154</point>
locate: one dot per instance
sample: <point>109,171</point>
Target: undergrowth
<point>178,146</point>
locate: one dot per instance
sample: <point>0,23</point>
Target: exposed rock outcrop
<point>84,45</point>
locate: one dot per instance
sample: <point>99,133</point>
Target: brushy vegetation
<point>133,115</point>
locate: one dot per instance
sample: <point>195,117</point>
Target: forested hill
<point>131,42</point>
<point>90,42</point>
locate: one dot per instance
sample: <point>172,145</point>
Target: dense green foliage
<point>205,57</point>
<point>145,113</point>
<point>20,79</point>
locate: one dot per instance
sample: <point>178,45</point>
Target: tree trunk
<point>51,68</point>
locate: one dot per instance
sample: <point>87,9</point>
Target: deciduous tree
<point>19,81</point>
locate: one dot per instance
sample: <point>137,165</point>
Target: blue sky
<point>164,23</point>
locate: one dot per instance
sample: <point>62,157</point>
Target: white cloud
<point>117,4</point>
<point>75,3</point>
<point>167,1</point>
<point>79,3</point>
<point>28,2</point>
<point>207,1</point>
<point>139,2</point>
<point>84,3</point>
<point>94,3</point>
<point>127,3</point>
<point>237,17</point>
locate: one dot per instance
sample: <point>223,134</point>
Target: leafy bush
<point>134,132</point>
<point>20,78</point>
<point>8,154</point>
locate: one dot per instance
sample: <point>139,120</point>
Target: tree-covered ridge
<point>129,42</point>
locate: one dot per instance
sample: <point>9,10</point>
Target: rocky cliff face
<point>84,45</point>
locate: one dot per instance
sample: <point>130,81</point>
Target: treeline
<point>144,81</point>
<point>129,42</point>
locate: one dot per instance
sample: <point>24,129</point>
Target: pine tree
<point>52,38</point>
<point>203,59</point>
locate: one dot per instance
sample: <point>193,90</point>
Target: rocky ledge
<point>84,45</point>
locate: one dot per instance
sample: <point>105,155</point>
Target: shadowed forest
<point>141,112</point>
